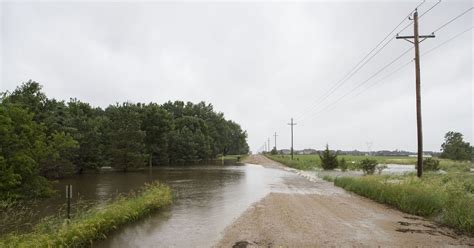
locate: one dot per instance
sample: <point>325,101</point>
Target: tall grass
<point>93,224</point>
<point>445,198</point>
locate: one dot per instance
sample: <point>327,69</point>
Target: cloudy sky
<point>258,63</point>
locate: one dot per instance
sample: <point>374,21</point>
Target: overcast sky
<point>258,63</point>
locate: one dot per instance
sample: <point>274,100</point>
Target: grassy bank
<point>93,224</point>
<point>307,162</point>
<point>448,199</point>
<point>233,157</point>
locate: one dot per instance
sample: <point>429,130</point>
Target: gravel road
<point>331,217</point>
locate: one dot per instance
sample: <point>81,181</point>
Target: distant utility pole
<point>265,147</point>
<point>291,124</point>
<point>268,144</point>
<point>416,41</point>
<point>275,135</point>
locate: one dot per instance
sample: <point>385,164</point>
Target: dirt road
<point>332,217</point>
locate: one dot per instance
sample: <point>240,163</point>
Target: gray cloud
<point>259,63</point>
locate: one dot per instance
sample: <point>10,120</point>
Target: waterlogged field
<point>94,223</point>
<point>308,162</point>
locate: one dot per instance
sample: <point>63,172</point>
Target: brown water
<point>206,200</point>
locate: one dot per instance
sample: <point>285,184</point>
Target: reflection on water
<point>206,200</point>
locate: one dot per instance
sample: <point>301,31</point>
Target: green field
<point>308,162</point>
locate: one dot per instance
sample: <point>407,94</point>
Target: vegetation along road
<point>331,216</point>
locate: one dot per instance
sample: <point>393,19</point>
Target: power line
<point>362,83</point>
<point>409,62</point>
<point>447,41</point>
<point>452,20</point>
<point>424,13</point>
<point>358,66</point>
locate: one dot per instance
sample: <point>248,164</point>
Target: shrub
<point>343,164</point>
<point>431,164</point>
<point>380,168</point>
<point>328,159</point>
<point>368,166</point>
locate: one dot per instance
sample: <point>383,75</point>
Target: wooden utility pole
<point>268,144</point>
<point>416,41</point>
<point>275,135</point>
<point>291,124</point>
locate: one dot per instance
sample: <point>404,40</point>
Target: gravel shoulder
<point>331,217</point>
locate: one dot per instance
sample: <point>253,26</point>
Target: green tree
<point>328,159</point>
<point>455,148</point>
<point>21,145</point>
<point>368,166</point>
<point>58,156</point>
<point>157,125</point>
<point>125,145</point>
<point>86,125</point>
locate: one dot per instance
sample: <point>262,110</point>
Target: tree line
<point>42,137</point>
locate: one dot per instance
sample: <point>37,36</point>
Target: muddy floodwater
<point>206,200</point>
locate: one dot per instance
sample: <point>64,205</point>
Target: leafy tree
<point>58,157</point>
<point>21,143</point>
<point>455,148</point>
<point>328,159</point>
<point>125,146</point>
<point>157,124</point>
<point>274,151</point>
<point>368,166</point>
<point>86,125</point>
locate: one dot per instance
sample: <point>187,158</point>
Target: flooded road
<point>206,200</point>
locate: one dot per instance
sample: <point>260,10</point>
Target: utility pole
<point>268,144</point>
<point>291,124</point>
<point>416,41</point>
<point>275,135</point>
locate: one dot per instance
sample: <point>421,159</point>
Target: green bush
<point>343,164</point>
<point>430,164</point>
<point>368,166</point>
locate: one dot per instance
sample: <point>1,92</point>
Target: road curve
<point>332,217</point>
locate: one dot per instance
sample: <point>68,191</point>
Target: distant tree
<point>368,166</point>
<point>455,148</point>
<point>125,146</point>
<point>86,125</point>
<point>274,151</point>
<point>343,164</point>
<point>157,124</point>
<point>328,159</point>
<point>58,156</point>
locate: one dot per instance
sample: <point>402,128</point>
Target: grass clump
<point>445,198</point>
<point>93,224</point>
